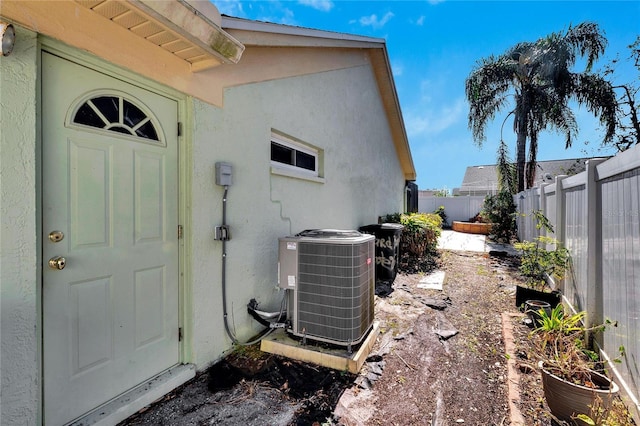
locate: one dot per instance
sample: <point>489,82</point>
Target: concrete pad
<point>433,281</point>
<point>458,241</point>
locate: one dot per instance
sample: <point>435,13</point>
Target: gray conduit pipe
<point>233,338</point>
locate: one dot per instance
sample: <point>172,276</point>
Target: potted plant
<point>572,384</point>
<point>538,262</point>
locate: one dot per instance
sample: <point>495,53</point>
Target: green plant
<point>440,212</point>
<point>617,414</point>
<point>560,340</point>
<point>537,262</point>
<point>500,210</point>
<point>420,233</point>
<point>391,218</point>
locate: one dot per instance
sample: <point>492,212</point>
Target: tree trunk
<point>521,131</point>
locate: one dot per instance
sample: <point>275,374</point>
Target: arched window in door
<point>115,113</point>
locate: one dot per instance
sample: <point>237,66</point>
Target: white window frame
<point>293,170</point>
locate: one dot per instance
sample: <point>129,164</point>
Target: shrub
<point>537,262</point>
<point>420,234</point>
<point>440,212</point>
<point>500,210</point>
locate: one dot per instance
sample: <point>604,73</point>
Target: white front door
<point>110,239</point>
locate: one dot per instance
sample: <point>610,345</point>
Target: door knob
<point>56,236</point>
<point>57,262</point>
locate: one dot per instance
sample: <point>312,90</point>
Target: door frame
<point>184,148</point>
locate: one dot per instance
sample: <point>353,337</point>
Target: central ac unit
<point>329,275</point>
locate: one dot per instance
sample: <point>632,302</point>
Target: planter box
<point>525,293</point>
<point>472,228</point>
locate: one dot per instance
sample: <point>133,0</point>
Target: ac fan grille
<point>335,290</point>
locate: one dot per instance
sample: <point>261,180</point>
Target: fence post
<point>594,303</point>
<point>560,228</point>
<point>560,210</point>
<point>542,206</point>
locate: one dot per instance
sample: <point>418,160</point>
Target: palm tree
<point>538,78</point>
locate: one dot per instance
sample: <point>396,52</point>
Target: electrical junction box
<point>224,174</point>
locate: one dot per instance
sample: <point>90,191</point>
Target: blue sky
<point>433,46</point>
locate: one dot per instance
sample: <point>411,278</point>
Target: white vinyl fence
<point>596,215</point>
<point>456,208</point>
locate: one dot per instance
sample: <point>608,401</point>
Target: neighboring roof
<point>265,34</point>
<point>485,177</point>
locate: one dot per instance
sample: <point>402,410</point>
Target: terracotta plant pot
<point>567,400</point>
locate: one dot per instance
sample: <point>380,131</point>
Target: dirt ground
<point>439,360</point>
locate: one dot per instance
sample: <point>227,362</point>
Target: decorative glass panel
<point>116,114</point>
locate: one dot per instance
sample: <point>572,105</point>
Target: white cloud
<point>373,21</point>
<point>273,11</point>
<point>425,91</point>
<point>397,69</point>
<point>230,7</point>
<point>420,21</point>
<point>323,5</point>
<point>434,2</point>
<point>430,121</point>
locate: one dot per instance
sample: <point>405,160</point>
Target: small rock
<point>363,382</point>
<point>376,368</point>
<point>372,377</point>
<point>374,358</point>
<point>446,334</point>
<point>435,304</point>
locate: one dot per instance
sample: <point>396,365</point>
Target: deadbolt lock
<point>56,236</point>
<point>57,263</point>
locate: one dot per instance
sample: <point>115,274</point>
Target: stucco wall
<point>339,112</point>
<point>19,269</point>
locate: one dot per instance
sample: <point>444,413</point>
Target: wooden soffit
<point>180,27</point>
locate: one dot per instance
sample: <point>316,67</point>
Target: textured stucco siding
<point>19,270</point>
<point>339,112</point>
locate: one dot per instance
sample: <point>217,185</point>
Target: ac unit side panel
<point>287,263</point>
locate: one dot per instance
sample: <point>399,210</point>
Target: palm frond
<point>486,89</point>
<point>598,96</point>
<point>589,40</point>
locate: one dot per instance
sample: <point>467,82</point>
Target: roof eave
<point>312,36</point>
